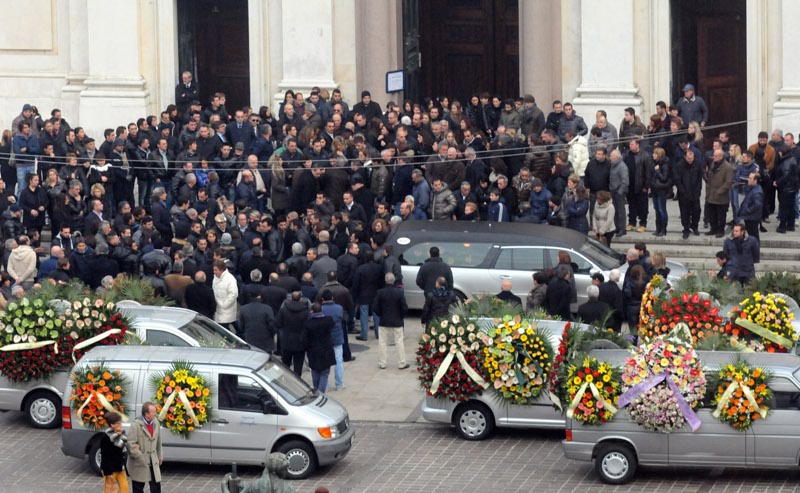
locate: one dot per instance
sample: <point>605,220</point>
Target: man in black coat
<point>505,295</point>
<point>186,92</point>
<point>559,293</point>
<point>256,323</point>
<point>101,265</point>
<point>200,296</point>
<point>593,310</point>
<point>343,298</point>
<point>611,294</point>
<point>274,295</point>
<point>290,321</point>
<point>347,265</point>
<point>160,213</point>
<point>437,302</point>
<point>366,282</point>
<point>431,270</point>
<point>391,308</point>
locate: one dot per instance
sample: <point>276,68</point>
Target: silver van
<point>620,446</point>
<point>40,400</point>
<point>259,406</point>
<point>484,254</point>
<point>476,418</point>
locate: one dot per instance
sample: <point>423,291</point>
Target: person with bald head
<point>506,295</point>
<point>200,296</point>
<point>718,185</point>
<point>51,264</point>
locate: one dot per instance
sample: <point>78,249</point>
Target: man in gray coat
<point>443,203</point>
<point>619,180</point>
<point>322,265</point>
<point>146,454</point>
<point>692,108</point>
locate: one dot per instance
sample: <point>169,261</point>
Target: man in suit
<point>186,92</point>
<point>241,131</point>
<point>146,454</point>
<point>200,296</point>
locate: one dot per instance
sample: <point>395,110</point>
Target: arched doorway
<point>214,45</point>
<point>459,47</point>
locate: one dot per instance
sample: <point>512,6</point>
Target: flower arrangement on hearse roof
<point>37,340</point>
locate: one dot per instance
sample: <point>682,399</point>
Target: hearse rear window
<point>454,254</point>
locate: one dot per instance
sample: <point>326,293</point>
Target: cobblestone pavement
<point>389,457</point>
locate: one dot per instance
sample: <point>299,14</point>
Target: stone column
<point>115,89</point>
<point>607,61</point>
<point>307,46</point>
<point>786,114</point>
<point>540,51</point>
<point>78,61</point>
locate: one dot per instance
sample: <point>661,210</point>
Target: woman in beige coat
<point>603,218</point>
<point>146,455</point>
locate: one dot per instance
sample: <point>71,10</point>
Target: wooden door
<point>469,46</point>
<point>721,73</point>
<point>222,51</point>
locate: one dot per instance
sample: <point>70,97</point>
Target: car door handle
<point>504,276</point>
<point>220,421</point>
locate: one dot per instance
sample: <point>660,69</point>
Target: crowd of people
<point>277,223</point>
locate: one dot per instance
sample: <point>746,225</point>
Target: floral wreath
<point>183,398</point>
<point>448,357</point>
<point>766,319</point>
<point>35,341</point>
<point>559,373</point>
<point>663,382</point>
<point>663,310</point>
<point>742,391</point>
<point>517,360</point>
<point>593,389</point>
<point>97,390</point>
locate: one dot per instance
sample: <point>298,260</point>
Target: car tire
<point>43,410</point>
<point>94,457</point>
<point>302,459</point>
<point>474,421</point>
<point>460,297</point>
<point>615,463</point>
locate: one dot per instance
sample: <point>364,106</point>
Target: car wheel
<point>43,410</point>
<point>615,463</point>
<point>301,457</point>
<point>94,458</point>
<point>461,297</point>
<point>474,421</point>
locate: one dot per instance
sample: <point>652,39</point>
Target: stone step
<point>676,252</point>
<point>710,264</point>
<point>768,240</point>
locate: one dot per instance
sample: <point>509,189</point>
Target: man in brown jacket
<point>146,455</point>
<point>718,183</point>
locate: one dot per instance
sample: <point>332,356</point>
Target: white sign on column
<point>307,39</point>
<point>607,60</point>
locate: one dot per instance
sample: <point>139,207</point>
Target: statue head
<point>277,464</point>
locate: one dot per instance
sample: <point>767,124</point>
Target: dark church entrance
<point>459,47</point>
<point>213,44</point>
<point>711,54</point>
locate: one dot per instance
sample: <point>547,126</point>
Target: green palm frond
<point>135,289</point>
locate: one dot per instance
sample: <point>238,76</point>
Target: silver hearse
<point>620,446</point>
<point>40,400</point>
<point>476,418</point>
<point>259,406</point>
<point>484,254</point>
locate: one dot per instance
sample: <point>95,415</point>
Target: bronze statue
<point>271,480</point>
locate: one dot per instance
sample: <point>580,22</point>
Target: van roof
<point>499,233</point>
<point>714,359</point>
<point>242,358</point>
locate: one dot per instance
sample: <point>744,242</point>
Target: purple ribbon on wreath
<point>686,410</point>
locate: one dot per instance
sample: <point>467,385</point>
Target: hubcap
<point>98,458</point>
<point>473,423</point>
<point>615,465</point>
<point>298,461</point>
<point>43,411</point>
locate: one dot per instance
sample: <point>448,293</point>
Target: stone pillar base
<point>106,101</point>
<point>786,111</point>
<point>71,96</point>
<point>612,100</point>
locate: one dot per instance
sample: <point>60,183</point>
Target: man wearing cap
<point>692,108</point>
<point>367,107</point>
<point>28,115</point>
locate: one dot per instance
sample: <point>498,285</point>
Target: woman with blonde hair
<point>696,136</point>
<point>279,193</point>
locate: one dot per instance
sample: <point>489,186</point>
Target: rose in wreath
<point>97,390</point>
<point>182,397</point>
<point>742,392</point>
<point>766,319</point>
<point>663,310</point>
<point>517,360</point>
<point>448,359</point>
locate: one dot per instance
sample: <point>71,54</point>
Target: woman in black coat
<point>319,348</point>
<point>113,453</point>
<point>33,201</point>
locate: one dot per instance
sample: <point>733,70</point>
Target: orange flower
<point>107,375</point>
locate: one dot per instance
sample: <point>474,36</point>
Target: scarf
<point>118,439</point>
